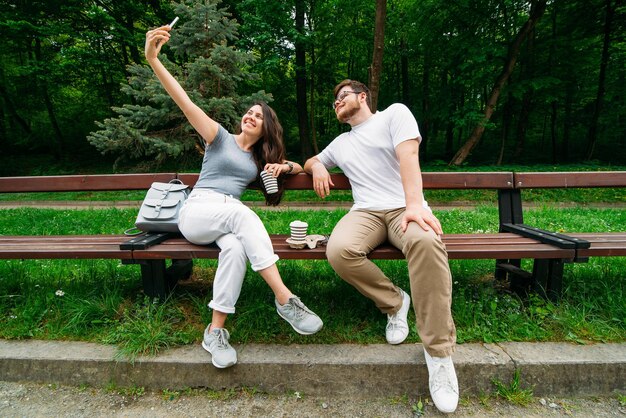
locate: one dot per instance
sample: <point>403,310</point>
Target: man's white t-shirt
<point>367,156</point>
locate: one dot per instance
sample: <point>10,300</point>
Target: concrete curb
<point>551,369</point>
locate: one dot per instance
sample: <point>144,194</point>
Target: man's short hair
<point>355,86</point>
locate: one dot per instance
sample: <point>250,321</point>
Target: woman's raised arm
<point>155,39</point>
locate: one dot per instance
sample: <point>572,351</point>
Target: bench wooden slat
<point>64,247</point>
<point>570,179</point>
<point>103,182</point>
<point>431,180</point>
<point>67,252</point>
<point>462,246</point>
<point>532,249</point>
<point>483,238</point>
<point>459,246</point>
<point>477,180</point>
<point>113,239</point>
<point>92,182</point>
<point>601,236</point>
<point>605,244</point>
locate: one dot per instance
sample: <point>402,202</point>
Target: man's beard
<point>348,113</point>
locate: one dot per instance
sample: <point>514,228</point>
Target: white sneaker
<point>443,384</point>
<point>397,326</point>
<point>216,342</point>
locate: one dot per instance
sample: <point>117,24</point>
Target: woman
<point>213,212</point>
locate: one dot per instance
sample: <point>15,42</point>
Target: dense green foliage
<point>153,128</point>
<point>68,66</point>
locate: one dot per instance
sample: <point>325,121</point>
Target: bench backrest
<point>102,182</point>
<point>431,180</point>
<point>90,182</point>
<point>580,179</point>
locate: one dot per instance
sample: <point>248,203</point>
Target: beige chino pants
<point>359,232</point>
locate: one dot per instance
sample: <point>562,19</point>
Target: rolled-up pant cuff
<point>221,308</point>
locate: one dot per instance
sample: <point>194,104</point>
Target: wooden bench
<point>513,243</point>
<point>584,245</point>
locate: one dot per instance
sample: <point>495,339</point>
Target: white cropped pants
<point>208,217</point>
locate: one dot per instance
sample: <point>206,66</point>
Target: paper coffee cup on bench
<point>298,230</point>
<point>270,183</point>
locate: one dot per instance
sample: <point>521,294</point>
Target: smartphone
<point>171,25</point>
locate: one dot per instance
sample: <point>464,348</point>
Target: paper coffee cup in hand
<point>298,230</point>
<point>270,183</point>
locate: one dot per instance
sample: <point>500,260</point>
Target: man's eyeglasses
<point>342,96</point>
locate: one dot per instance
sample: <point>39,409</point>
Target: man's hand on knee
<point>424,218</point>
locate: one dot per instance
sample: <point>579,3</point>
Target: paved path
<point>51,400</point>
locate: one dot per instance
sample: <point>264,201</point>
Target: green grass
<point>102,301</point>
<point>583,197</point>
<point>118,196</point>
<point>513,392</point>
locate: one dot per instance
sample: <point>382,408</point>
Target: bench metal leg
<point>154,279</point>
<point>505,267</point>
<point>510,212</point>
<point>548,278</point>
<point>179,270</point>
<point>510,207</point>
<point>519,280</point>
<point>158,281</point>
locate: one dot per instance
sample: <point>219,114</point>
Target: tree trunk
<point>568,119</point>
<point>404,70</point>
<point>593,125</point>
<point>554,105</point>
<point>449,140</point>
<point>133,47</point>
<point>106,86</point>
<point>506,127</point>
<point>553,132</point>
<point>522,124</point>
<point>301,100</point>
<point>527,100</point>
<point>425,106</point>
<point>449,147</point>
<point>377,56</point>
<point>10,108</point>
<point>59,148</point>
<point>315,148</point>
<point>536,11</point>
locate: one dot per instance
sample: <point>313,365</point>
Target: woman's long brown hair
<point>270,149</point>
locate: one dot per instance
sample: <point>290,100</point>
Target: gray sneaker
<point>216,343</point>
<point>301,318</point>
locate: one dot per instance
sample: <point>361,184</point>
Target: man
<point>379,155</point>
